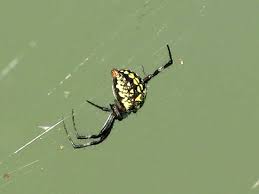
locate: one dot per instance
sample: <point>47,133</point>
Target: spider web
<point>149,8</point>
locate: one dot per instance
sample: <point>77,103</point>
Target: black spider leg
<point>78,136</point>
<point>170,62</point>
<point>100,107</point>
<point>103,134</point>
<point>74,126</point>
<point>143,70</point>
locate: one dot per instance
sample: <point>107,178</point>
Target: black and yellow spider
<point>129,91</point>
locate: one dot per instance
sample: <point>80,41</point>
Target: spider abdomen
<point>128,89</point>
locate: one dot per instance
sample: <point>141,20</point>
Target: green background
<point>198,130</point>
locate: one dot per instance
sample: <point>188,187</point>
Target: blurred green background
<point>198,130</point>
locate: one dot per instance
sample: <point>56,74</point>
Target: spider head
<point>128,89</point>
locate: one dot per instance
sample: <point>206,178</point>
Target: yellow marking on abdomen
<point>131,75</point>
<point>139,98</point>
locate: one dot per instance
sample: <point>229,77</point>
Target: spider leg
<point>110,120</point>
<point>100,107</point>
<point>74,126</point>
<point>68,136</point>
<point>106,129</point>
<point>104,135</point>
<point>170,62</point>
<point>143,70</point>
<point>79,136</point>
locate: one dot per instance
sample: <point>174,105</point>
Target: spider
<point>130,92</point>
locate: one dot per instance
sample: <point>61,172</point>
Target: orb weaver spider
<point>130,92</point>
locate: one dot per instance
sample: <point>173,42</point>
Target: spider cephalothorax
<point>130,93</point>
